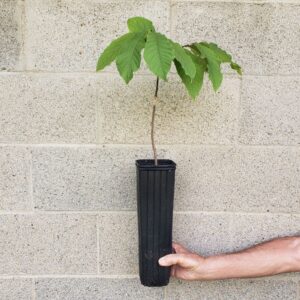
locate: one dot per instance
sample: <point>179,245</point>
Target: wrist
<point>206,269</point>
<point>212,268</point>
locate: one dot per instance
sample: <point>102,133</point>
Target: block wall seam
<point>147,146</point>
<point>146,74</point>
<point>133,212</point>
<point>33,289</point>
<point>98,244</point>
<point>242,1</point>
<point>31,183</point>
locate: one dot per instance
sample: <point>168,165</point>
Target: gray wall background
<point>69,138</point>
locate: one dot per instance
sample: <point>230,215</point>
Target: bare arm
<point>277,256</point>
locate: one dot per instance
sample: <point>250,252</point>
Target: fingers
<point>176,259</point>
<point>179,248</point>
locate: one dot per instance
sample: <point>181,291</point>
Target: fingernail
<point>161,261</point>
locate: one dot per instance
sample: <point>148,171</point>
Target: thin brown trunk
<point>152,123</point>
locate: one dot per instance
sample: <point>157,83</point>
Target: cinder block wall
<point>69,138</point>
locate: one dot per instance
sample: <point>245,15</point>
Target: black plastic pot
<point>155,196</point>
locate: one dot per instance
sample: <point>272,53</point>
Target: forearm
<point>270,258</point>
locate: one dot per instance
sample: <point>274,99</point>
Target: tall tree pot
<point>155,197</point>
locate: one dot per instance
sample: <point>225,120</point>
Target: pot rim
<point>163,164</point>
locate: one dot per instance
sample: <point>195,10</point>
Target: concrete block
<point>254,179</point>
<point>47,108</point>
<point>15,178</point>
<point>207,178</point>
<point>48,244</point>
<point>11,40</point>
<point>95,289</point>
<point>264,289</point>
<point>87,178</point>
<point>270,111</point>
<point>203,233</point>
<point>88,27</point>
<point>126,112</point>
<point>16,289</point>
<point>118,244</point>
<point>262,37</point>
<point>251,229</point>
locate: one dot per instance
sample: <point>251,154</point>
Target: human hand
<point>185,264</point>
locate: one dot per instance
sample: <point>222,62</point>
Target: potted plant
<point>156,177</point>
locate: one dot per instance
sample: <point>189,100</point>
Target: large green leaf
<point>139,24</point>
<point>158,54</point>
<point>215,74</point>
<point>212,51</point>
<point>185,60</point>
<point>193,86</point>
<point>129,58</point>
<point>213,65</point>
<point>110,53</point>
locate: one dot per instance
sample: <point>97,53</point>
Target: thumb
<point>176,259</point>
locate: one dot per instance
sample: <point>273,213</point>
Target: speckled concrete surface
<point>69,138</point>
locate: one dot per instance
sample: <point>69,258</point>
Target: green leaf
<point>221,54</point>
<point>215,74</point>
<point>217,52</point>
<point>213,65</point>
<point>236,67</point>
<point>193,86</point>
<point>158,54</point>
<point>185,60</point>
<point>129,57</point>
<point>139,24</point>
<point>110,53</point>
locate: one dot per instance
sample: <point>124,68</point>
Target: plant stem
<point>152,123</point>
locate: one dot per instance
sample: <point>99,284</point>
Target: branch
<point>152,123</point>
